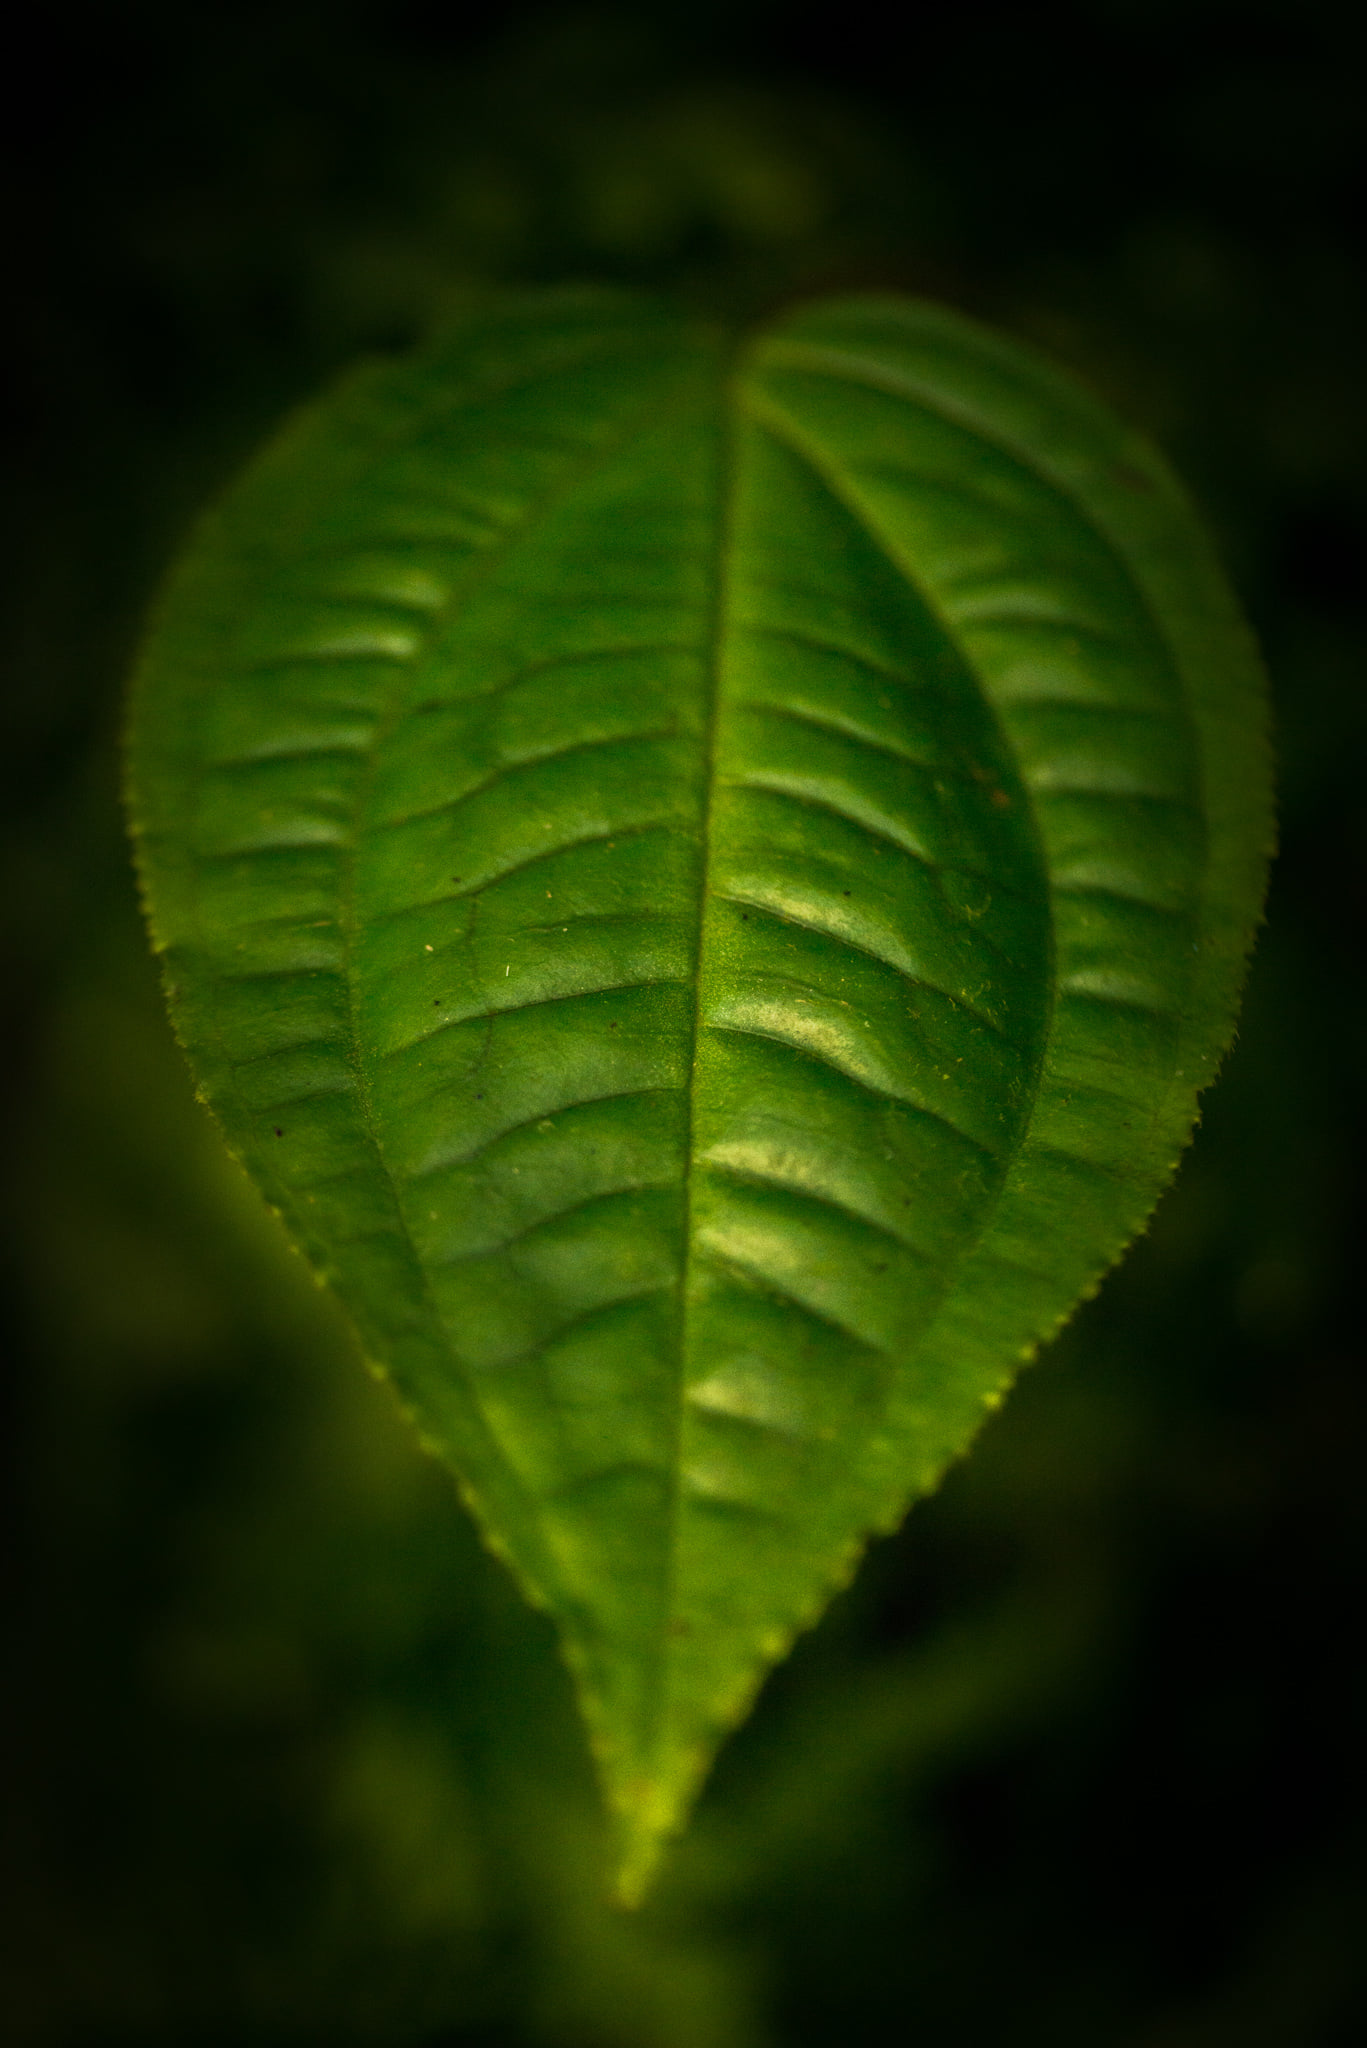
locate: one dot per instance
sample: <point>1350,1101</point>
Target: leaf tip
<point>636,1870</point>
<point>649,1813</point>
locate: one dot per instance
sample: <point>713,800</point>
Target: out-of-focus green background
<point>1077,1763</point>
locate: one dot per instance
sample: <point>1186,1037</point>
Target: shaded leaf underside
<point>703,885</point>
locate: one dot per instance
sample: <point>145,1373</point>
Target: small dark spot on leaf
<point>1001,799</point>
<point>457,878</point>
<point>745,917</point>
<point>680,1628</point>
<point>847,892</point>
<point>612,1027</point>
<point>436,1002</point>
<point>278,1132</point>
<point>480,1096</point>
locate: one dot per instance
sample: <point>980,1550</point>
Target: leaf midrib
<point>716,655</point>
<point>732,406</point>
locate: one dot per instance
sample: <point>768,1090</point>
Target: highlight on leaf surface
<point>703,878</point>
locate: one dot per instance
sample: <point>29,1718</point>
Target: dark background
<point>1077,1763</point>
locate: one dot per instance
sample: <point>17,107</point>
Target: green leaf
<point>703,881</point>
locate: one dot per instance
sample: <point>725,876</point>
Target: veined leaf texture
<point>702,878</point>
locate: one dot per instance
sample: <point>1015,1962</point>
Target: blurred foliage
<point>1077,1760</point>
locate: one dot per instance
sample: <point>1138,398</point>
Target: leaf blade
<point>677,869</point>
